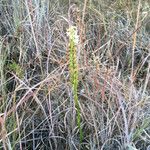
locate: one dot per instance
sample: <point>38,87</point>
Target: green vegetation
<point>73,67</point>
<point>75,74</point>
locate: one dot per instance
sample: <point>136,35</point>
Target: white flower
<point>72,32</point>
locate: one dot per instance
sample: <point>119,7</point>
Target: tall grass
<point>94,83</point>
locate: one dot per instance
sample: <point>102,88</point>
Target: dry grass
<point>37,109</point>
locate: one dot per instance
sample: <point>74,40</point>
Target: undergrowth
<point>89,90</point>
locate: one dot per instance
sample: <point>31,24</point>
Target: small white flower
<point>72,32</point>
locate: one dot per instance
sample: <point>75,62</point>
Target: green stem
<point>73,66</point>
